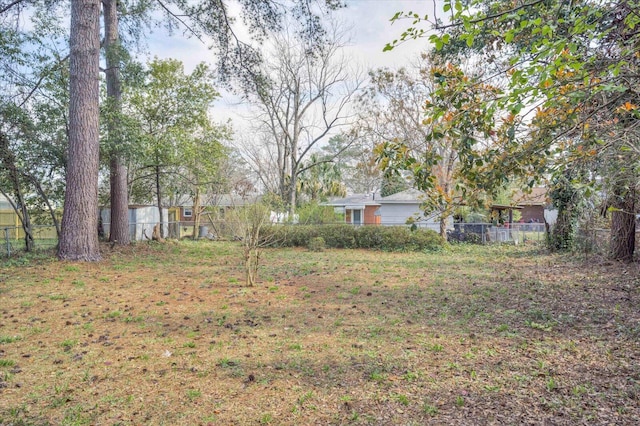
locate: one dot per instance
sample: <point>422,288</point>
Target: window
<point>187,211</point>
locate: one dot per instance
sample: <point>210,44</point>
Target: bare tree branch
<point>10,5</point>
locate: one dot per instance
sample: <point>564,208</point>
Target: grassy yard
<point>168,334</point>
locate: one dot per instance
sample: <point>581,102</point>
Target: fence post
<point>6,238</point>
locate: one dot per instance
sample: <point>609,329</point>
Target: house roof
<point>354,201</point>
<point>409,196</point>
<point>537,197</point>
<point>505,207</point>
<point>234,200</point>
<point>224,200</point>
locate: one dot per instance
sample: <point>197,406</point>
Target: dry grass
<point>167,334</point>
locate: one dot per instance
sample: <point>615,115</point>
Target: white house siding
<point>397,214</point>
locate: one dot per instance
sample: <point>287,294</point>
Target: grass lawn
<point>168,334</point>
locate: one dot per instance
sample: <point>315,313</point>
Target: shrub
<point>313,213</point>
<point>396,238</point>
<point>369,237</point>
<point>426,240</point>
<point>316,244</point>
<point>388,238</point>
<point>290,235</point>
<point>338,236</point>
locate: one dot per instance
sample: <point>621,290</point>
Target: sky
<point>368,22</point>
<point>369,27</point>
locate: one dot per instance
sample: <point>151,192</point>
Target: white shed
<point>142,219</point>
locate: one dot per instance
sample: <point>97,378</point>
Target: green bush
<point>397,238</point>
<point>316,244</point>
<point>314,214</point>
<point>369,237</point>
<point>338,236</point>
<point>387,238</point>
<point>426,240</point>
<point>274,236</point>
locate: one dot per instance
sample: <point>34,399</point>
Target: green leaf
<point>508,37</point>
<point>469,40</point>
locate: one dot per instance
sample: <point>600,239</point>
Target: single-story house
<point>396,209</point>
<point>216,206</point>
<point>358,209</point>
<point>222,202</point>
<point>503,213</point>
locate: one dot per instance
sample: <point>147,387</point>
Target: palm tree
<point>320,178</point>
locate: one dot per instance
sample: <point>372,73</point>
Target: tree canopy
<point>567,80</point>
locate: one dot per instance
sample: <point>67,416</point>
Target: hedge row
<point>387,238</point>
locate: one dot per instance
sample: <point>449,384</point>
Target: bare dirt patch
<point>168,334</point>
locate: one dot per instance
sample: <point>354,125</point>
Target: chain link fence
<point>485,233</point>
<point>13,238</point>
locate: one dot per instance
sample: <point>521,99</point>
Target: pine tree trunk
<point>623,227</point>
<point>119,228</point>
<point>79,234</point>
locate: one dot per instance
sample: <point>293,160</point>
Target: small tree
<point>171,109</point>
<point>444,133</point>
<point>248,224</point>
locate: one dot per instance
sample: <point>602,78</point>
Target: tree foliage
<point>195,18</point>
<point>352,154</point>
<point>33,117</point>
<point>301,95</point>
<point>430,130</point>
<point>570,73</point>
<point>177,144</point>
<point>320,179</point>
